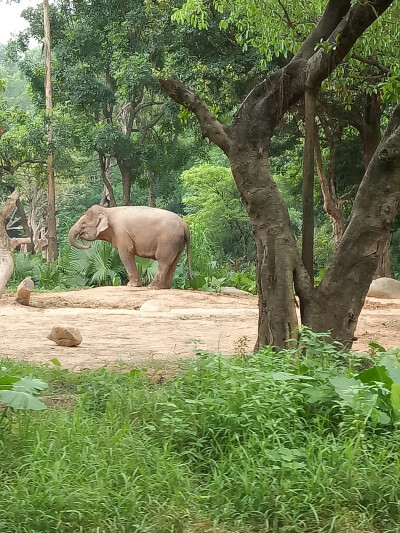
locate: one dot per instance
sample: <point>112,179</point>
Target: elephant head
<point>89,226</point>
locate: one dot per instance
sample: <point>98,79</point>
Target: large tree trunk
<point>277,255</point>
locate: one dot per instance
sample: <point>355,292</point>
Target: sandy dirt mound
<point>114,329</point>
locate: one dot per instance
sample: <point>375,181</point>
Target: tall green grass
<point>229,445</point>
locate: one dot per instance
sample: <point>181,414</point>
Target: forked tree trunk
<point>337,302</point>
<point>126,183</point>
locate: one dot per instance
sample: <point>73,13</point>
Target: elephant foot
<point>134,284</point>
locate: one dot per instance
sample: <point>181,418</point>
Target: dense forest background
<point>119,140</point>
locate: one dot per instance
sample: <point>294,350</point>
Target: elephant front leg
<point>128,259</point>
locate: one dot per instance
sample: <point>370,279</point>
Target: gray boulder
<point>384,288</point>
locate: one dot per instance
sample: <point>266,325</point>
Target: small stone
<point>65,336</point>
<point>152,306</point>
<point>234,291</point>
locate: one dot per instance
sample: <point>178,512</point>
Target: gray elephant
<point>142,231</point>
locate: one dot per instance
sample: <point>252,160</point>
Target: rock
<point>24,291</point>
<point>384,288</point>
<point>234,291</point>
<point>65,336</point>
<point>152,306</point>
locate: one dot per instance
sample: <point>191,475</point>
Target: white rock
<point>65,336</point>
<point>153,306</point>
<point>384,288</point>
<point>234,291</point>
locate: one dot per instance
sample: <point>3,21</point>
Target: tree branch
<point>342,39</point>
<point>8,206</point>
<point>210,126</point>
<point>373,62</point>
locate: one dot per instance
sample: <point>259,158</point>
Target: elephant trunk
<point>72,236</point>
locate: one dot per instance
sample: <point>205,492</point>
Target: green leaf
<point>376,374</point>
<point>7,381</point>
<point>55,361</point>
<point>21,400</point>
<point>395,396</point>
<point>30,385</point>
<point>392,366</point>
<point>343,384</point>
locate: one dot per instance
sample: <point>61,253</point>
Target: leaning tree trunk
<point>371,136</point>
<point>7,245</point>
<point>350,273</point>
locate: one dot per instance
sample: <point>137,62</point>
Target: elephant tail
<point>187,239</point>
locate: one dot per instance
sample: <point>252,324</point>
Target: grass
<point>226,446</point>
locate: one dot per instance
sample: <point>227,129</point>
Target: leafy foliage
<point>290,442</point>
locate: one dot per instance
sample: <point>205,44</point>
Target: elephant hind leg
<point>165,272</point>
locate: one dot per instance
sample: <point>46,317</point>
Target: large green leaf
<point>392,366</point>
<point>30,385</point>
<point>21,400</point>
<point>376,374</point>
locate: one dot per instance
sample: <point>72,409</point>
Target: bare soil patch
<point>115,330</point>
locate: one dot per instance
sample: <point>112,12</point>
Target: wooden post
<point>52,228</point>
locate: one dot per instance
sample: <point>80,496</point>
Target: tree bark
<point>371,136</point>
<point>126,183</point>
<point>51,194</point>
<point>332,204</point>
<point>277,255</point>
<point>108,198</point>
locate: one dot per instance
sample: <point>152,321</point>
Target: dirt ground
<point>115,330</point>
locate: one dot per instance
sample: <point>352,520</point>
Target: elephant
<point>137,230</point>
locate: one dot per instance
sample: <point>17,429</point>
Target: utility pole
<point>51,194</point>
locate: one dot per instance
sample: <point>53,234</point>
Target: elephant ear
<point>102,223</point>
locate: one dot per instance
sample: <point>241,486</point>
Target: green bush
<point>293,441</point>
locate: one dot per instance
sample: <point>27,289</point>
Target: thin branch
<point>287,16</point>
<point>373,62</point>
